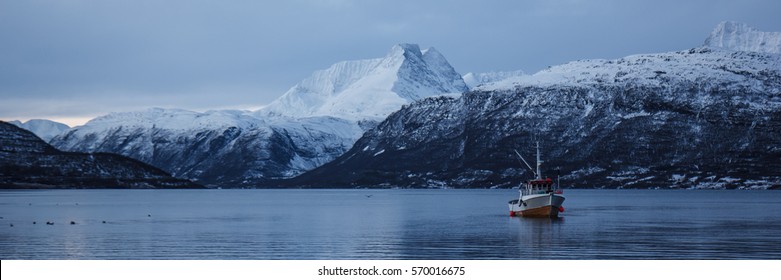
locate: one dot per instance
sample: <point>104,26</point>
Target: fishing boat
<point>539,197</point>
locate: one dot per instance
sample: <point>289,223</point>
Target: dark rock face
<point>705,120</point>
<point>28,162</point>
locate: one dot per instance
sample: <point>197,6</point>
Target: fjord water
<point>386,224</point>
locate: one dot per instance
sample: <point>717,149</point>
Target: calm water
<point>390,224</point>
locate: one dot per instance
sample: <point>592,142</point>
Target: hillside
<point>26,161</point>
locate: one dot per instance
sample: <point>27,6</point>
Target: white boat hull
<point>537,205</point>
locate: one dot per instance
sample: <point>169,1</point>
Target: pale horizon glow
<point>81,120</point>
<point>70,121</point>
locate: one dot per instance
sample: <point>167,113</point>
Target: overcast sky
<point>74,60</point>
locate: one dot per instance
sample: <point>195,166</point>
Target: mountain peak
<point>370,88</point>
<point>405,48</point>
<point>739,36</point>
<point>432,56</point>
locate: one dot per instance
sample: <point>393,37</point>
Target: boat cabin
<point>539,186</point>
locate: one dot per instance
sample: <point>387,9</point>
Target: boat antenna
<point>527,164</point>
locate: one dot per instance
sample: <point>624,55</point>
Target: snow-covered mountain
<point>737,36</point>
<point>227,148</point>
<point>372,88</point>
<point>45,129</point>
<point>313,123</point>
<point>701,118</point>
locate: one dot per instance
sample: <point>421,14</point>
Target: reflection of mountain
<point>26,161</point>
<point>313,123</point>
<point>705,117</point>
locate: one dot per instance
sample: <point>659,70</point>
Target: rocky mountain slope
<point>26,161</point>
<point>700,118</point>
<point>313,123</point>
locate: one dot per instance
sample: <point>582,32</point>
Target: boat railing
<point>535,191</point>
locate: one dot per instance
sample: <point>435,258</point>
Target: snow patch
<point>635,115</point>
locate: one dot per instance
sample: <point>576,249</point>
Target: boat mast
<point>539,175</point>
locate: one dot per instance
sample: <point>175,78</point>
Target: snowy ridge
<point>371,88</point>
<point>651,69</point>
<point>45,129</point>
<point>742,37</point>
<point>132,124</point>
<point>473,80</point>
<point>174,119</point>
<point>748,50</point>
